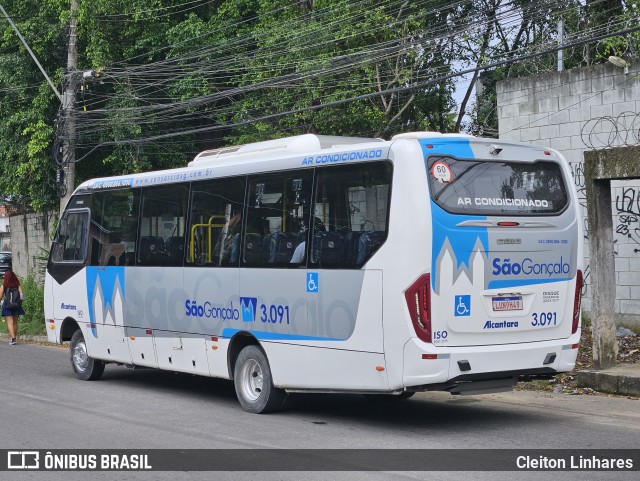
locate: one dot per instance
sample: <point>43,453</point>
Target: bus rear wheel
<point>253,383</point>
<point>85,367</point>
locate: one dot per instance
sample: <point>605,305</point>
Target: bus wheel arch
<point>238,342</point>
<point>69,326</point>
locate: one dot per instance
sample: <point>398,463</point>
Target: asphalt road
<point>43,406</point>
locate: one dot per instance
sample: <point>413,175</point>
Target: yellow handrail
<point>192,242</point>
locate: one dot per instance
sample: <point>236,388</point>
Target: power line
<point>364,96</point>
<point>162,77</point>
<point>192,70</point>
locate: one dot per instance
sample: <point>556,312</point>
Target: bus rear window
<point>488,187</point>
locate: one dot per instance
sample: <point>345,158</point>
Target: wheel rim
<point>252,380</point>
<point>80,357</point>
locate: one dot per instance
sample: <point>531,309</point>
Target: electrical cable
<point>163,77</point>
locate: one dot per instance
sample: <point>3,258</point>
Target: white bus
<point>327,264</point>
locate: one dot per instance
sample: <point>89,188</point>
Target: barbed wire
<point>609,131</point>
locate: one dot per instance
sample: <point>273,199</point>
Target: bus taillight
<point>419,303</point>
<point>576,302</point>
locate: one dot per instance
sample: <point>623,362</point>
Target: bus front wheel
<point>85,367</point>
<point>253,382</point>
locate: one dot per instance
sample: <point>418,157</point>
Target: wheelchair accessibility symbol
<point>462,306</point>
<point>312,282</point>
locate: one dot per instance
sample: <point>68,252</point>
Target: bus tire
<point>85,367</point>
<point>253,382</point>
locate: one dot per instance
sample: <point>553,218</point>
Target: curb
<point>27,338</point>
<point>624,379</point>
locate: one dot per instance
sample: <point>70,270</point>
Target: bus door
<point>210,301</point>
<point>162,292</point>
<point>109,284</point>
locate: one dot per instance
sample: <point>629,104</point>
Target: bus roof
<point>298,144</point>
<point>278,154</point>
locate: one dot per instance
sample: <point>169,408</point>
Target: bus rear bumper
<point>426,365</point>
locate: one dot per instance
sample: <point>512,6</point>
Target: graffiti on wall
<point>577,171</point>
<point>628,214</point>
<point>627,206</point>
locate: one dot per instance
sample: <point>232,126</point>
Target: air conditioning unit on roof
<point>298,144</point>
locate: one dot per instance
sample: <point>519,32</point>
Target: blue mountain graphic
<point>248,306</point>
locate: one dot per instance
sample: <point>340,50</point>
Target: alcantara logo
<point>500,325</point>
<point>208,310</point>
<point>528,267</point>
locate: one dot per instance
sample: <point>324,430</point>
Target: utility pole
<point>560,42</point>
<point>68,102</point>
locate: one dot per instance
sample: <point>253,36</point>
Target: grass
<point>32,323</point>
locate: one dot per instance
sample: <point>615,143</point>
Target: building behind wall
<point>5,231</point>
<point>578,110</point>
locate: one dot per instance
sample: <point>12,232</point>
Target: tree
<point>535,34</point>
<point>252,69</point>
<point>170,78</point>
<point>328,52</point>
<point>27,103</point>
<point>235,65</point>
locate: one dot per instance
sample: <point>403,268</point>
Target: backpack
<point>12,298</point>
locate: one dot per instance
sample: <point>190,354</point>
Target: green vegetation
<point>32,323</point>
<point>230,71</point>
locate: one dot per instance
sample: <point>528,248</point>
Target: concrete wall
<point>575,111</point>
<point>30,241</point>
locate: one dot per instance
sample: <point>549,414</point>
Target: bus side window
<point>71,241</point>
<point>213,234</point>
<point>350,211</point>
<point>277,219</point>
<point>163,225</point>
<point>114,226</point>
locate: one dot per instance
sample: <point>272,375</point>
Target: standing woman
<point>11,281</point>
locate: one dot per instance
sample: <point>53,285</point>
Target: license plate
<point>513,303</point>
